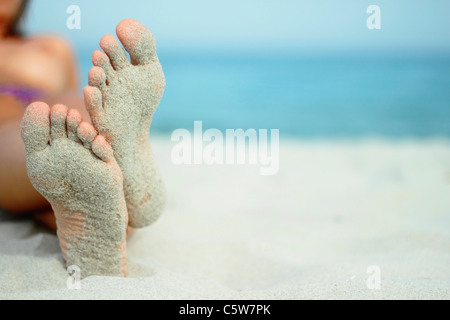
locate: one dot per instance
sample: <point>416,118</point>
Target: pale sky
<point>276,25</point>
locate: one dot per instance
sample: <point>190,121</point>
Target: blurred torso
<point>37,63</point>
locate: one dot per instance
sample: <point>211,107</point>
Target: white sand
<point>310,232</point>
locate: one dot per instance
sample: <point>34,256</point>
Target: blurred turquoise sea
<point>311,96</point>
<point>311,68</point>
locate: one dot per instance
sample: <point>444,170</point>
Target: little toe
<point>97,78</point>
<point>93,100</point>
<point>115,52</point>
<point>101,60</point>
<point>102,149</point>
<point>58,122</point>
<point>87,134</point>
<point>73,121</point>
<point>35,128</point>
<point>137,40</point>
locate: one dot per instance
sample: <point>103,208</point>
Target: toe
<point>102,149</point>
<point>73,121</point>
<point>101,60</point>
<point>58,122</point>
<point>87,134</point>
<point>93,101</point>
<point>97,78</point>
<point>115,52</point>
<point>137,40</point>
<point>35,129</point>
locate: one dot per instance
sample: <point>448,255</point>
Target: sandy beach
<point>310,232</point>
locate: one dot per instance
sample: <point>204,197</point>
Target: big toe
<point>137,40</point>
<point>35,128</point>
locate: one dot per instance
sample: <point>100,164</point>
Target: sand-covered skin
<point>121,98</point>
<point>77,173</point>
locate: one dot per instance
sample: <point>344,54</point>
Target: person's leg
<point>47,219</point>
<point>17,195</point>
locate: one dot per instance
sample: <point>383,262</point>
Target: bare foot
<point>47,219</point>
<point>121,99</point>
<point>74,169</point>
